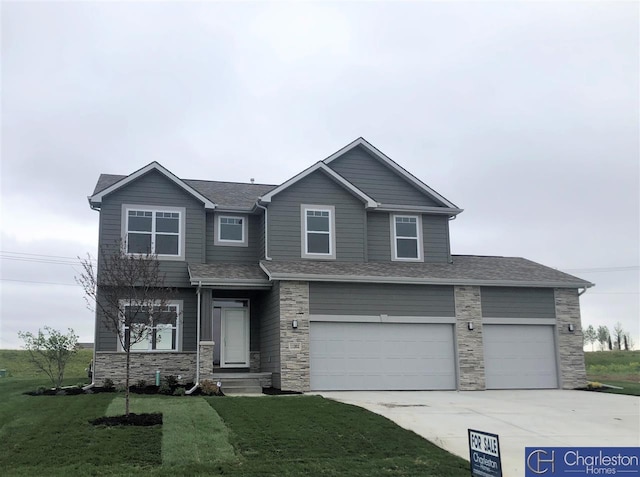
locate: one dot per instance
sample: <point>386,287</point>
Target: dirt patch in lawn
<point>150,419</point>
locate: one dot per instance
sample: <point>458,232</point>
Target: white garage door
<point>520,357</point>
<point>381,356</point>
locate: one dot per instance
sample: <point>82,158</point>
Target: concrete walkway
<point>522,418</point>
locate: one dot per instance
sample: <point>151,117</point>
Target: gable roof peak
<point>392,165</point>
<point>96,199</point>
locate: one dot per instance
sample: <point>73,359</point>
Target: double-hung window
<point>318,231</point>
<point>407,237</point>
<point>231,231</point>
<point>151,330</point>
<point>154,231</point>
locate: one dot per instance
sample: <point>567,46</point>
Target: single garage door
<point>381,356</point>
<point>520,357</point>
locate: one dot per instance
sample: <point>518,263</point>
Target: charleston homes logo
<point>577,461</point>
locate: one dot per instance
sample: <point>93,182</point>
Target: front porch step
<point>242,384</point>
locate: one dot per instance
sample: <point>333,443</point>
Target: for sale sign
<point>484,454</point>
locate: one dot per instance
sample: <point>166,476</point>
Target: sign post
<point>484,454</point>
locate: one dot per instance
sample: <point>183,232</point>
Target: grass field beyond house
<point>615,368</point>
<point>231,436</point>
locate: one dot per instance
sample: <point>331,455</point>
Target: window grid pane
<point>153,232</point>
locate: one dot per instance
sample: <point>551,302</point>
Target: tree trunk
<point>126,384</point>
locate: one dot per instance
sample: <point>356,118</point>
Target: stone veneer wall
<point>471,375</point>
<point>254,361</point>
<point>206,360</point>
<point>294,343</point>
<point>570,343</point>
<point>143,366</point>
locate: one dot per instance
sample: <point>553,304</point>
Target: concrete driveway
<point>522,418</point>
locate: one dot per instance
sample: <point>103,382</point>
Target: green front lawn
<point>238,436</point>
<point>616,368</point>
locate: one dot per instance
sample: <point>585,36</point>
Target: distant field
<point>17,365</point>
<point>616,368</point>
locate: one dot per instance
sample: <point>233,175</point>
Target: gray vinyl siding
<point>376,299</point>
<point>270,332</point>
<point>379,237</point>
<point>153,189</point>
<point>107,339</point>
<point>377,180</point>
<point>505,302</point>
<point>250,253</point>
<point>316,189</point>
<point>435,237</point>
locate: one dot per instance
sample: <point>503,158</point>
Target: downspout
<point>583,291</point>
<point>95,331</point>
<point>197,383</point>
<point>266,231</point>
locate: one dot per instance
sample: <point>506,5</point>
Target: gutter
<point>266,231</point>
<point>197,383</point>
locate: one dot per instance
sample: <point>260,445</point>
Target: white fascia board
<point>387,160</point>
<point>231,283</point>
<point>421,281</point>
<point>97,198</point>
<point>330,172</point>
<point>418,209</point>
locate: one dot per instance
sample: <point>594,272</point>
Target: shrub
<point>108,384</point>
<point>165,389</point>
<point>171,381</point>
<point>210,388</point>
<point>179,392</point>
<point>141,383</point>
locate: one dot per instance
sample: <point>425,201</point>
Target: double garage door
<point>420,356</point>
<point>382,356</point>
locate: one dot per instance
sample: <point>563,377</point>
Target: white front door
<point>235,338</point>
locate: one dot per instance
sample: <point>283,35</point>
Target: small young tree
<point>610,344</point>
<point>130,298</point>
<point>590,336</point>
<point>50,351</point>
<point>628,342</point>
<point>603,337</point>
<point>618,336</point>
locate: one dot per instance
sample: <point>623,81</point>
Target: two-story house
<point>340,278</point>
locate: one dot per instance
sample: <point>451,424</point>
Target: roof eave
<point>425,281</point>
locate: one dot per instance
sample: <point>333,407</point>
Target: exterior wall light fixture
<point>470,325</point>
<point>571,328</point>
<point>294,324</point>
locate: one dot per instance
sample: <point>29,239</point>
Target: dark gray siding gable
<point>377,180</point>
<point>316,189</point>
<point>378,237</point>
<point>154,189</point>
<point>505,302</point>
<point>326,298</point>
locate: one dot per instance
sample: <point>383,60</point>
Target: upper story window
<point>157,330</point>
<point>407,237</point>
<point>158,231</point>
<point>231,230</point>
<point>318,231</point>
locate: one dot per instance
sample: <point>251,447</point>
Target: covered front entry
<point>231,330</point>
<point>520,356</point>
<point>382,356</point>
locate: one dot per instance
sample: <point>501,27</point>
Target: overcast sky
<point>526,115</point>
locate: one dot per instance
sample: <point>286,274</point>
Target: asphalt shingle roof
<point>465,269</point>
<point>228,272</point>
<point>227,195</point>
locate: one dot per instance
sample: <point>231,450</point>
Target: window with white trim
<point>157,330</point>
<point>407,242</point>
<point>154,231</point>
<point>318,234</point>
<point>231,230</point>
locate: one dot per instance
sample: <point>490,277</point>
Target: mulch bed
<point>277,392</point>
<point>131,420</point>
